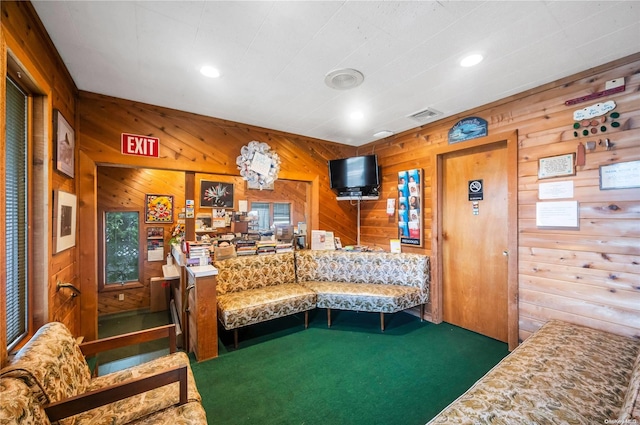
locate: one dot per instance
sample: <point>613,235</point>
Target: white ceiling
<point>273,56</point>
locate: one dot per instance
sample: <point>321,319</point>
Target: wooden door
<point>475,243</point>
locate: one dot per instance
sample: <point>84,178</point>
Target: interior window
<point>271,213</point>
<point>16,160</point>
<point>121,247</point>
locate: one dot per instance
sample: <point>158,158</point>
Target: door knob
<point>505,253</point>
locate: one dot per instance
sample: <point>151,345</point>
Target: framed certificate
<point>556,166</point>
<point>622,175</point>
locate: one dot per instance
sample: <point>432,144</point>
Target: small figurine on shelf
<point>177,234</point>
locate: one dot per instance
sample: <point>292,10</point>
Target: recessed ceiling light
<point>356,115</point>
<point>209,71</point>
<point>383,133</point>
<point>344,79</point>
<point>471,60</point>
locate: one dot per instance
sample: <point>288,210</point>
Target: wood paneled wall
<point>126,188</point>
<point>588,275</point>
<point>209,147</point>
<point>25,41</point>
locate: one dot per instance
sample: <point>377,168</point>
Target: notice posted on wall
<point>557,214</point>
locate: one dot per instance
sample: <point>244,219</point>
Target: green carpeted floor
<point>349,374</point>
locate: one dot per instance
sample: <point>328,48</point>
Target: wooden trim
<point>88,245</point>
<point>167,331</point>
<point>437,156</point>
<point>92,399</point>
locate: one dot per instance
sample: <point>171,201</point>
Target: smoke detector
<point>424,115</point>
<point>344,79</point>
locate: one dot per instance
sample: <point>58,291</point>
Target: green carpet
<point>349,374</point>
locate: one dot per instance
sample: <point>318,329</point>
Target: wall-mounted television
<point>358,175</point>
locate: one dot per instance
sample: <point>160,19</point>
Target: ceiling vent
<point>344,79</point>
<point>424,115</point>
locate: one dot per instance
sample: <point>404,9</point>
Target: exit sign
<point>132,144</point>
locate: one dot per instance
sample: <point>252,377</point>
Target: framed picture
<point>621,175</point>
<point>64,218</point>
<point>155,232</point>
<point>64,144</point>
<point>556,166</point>
<point>410,207</point>
<point>216,194</point>
<point>158,209</point>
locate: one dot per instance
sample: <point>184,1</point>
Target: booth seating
<point>365,281</point>
<point>255,288</point>
<point>49,381</point>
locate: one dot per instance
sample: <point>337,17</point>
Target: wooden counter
<point>201,311</point>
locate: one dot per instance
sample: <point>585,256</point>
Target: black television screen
<point>355,172</point>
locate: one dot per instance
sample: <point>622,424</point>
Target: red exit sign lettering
<point>132,144</point>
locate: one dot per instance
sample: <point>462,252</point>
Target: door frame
<point>437,158</point>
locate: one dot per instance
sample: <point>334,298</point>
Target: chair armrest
<point>92,348</point>
<point>92,399</point>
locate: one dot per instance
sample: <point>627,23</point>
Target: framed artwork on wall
<point>410,207</point>
<point>64,220</point>
<point>158,209</point>
<point>216,194</point>
<point>64,144</point>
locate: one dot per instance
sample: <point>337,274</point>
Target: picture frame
<point>216,194</point>
<point>557,166</point>
<point>64,219</point>
<point>158,208</point>
<point>65,143</point>
<point>621,175</point>
<point>155,232</point>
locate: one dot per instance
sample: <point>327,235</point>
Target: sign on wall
<point>467,129</point>
<point>132,144</point>
<point>410,207</point>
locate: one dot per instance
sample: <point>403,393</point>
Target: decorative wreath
<point>258,164</point>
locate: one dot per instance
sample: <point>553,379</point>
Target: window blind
<point>16,213</point>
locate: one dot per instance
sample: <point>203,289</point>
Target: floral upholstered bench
<point>49,381</point>
<point>365,281</point>
<point>562,374</point>
<point>256,288</point>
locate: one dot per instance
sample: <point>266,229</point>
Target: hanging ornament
<point>258,164</point>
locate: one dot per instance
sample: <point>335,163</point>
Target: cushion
<point>254,272</point>
<point>631,405</point>
<point>18,404</point>
<point>138,406</point>
<point>563,373</point>
<point>237,309</point>
<point>188,414</point>
<point>52,361</point>
<point>365,296</point>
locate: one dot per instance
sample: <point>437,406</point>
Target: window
<point>121,247</point>
<point>271,213</point>
<point>16,160</point>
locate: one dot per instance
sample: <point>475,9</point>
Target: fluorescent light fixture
<point>209,71</point>
<point>383,133</point>
<point>471,60</point>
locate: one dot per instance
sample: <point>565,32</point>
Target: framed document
<point>623,175</point>
<point>556,166</point>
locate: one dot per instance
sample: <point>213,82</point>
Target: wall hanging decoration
<point>65,220</point>
<point>158,209</point>
<point>410,207</point>
<point>556,166</point>
<point>593,119</point>
<point>467,129</point>
<point>216,194</point>
<point>258,164</point>
<point>155,244</point>
<point>65,144</point>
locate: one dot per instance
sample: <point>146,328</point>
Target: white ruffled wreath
<point>258,164</point>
